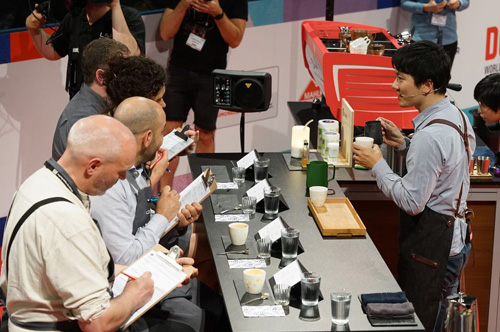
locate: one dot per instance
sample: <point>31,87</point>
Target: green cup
<point>317,174</point>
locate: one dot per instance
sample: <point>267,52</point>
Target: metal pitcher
<point>461,314</point>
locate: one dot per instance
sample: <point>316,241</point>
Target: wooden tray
<point>337,218</point>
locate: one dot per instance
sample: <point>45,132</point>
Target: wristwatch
<point>219,16</point>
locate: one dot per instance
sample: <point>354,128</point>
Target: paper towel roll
<point>333,152</point>
<point>326,126</point>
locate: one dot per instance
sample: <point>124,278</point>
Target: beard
<point>101,185</point>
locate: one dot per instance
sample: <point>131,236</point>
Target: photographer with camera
<point>202,31</point>
<point>87,21</point>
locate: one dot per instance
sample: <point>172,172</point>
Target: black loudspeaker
<point>238,90</point>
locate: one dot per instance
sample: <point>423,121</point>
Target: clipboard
<point>177,276</point>
<point>197,191</point>
<point>176,141</point>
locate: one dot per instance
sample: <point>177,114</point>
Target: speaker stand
<point>242,131</point>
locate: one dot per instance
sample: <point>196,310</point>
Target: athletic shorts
<point>185,90</point>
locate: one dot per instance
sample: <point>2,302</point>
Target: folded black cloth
<point>389,309</point>
<point>397,297</point>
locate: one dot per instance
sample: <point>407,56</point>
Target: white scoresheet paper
<point>165,274</point>
<point>174,144</point>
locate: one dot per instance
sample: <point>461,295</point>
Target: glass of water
<point>239,175</point>
<point>272,200</point>
<point>309,288</point>
<point>260,168</point>
<point>289,242</point>
<point>341,304</point>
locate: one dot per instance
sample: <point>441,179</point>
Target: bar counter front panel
<point>353,264</point>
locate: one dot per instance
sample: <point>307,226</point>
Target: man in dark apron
<point>433,241</point>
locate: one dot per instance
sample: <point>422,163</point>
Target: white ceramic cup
<point>254,280</point>
<point>238,232</point>
<point>317,194</point>
<point>365,141</point>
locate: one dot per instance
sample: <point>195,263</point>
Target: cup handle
<point>333,176</point>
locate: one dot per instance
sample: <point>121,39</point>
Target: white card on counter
<point>272,230</point>
<point>289,275</point>
<point>248,159</point>
<point>227,185</point>
<point>247,263</point>
<point>231,217</point>
<point>257,191</point>
<point>263,311</point>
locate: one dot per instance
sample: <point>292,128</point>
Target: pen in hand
<point>156,162</point>
<point>128,276</point>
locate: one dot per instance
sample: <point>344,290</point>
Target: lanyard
<point>61,174</point>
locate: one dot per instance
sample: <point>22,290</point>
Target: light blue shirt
<point>437,167</point>
<point>421,20</point>
<point>115,212</point>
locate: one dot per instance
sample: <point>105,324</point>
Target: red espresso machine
<point>364,80</point>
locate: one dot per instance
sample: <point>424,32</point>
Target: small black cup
<point>373,129</point>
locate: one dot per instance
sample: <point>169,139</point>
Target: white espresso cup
<point>238,232</point>
<point>254,280</point>
<point>365,141</point>
<point>317,194</point>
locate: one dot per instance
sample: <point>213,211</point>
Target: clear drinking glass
<point>239,175</point>
<point>309,288</point>
<point>272,200</point>
<point>341,304</point>
<point>289,242</point>
<point>282,294</point>
<point>260,168</point>
<point>264,247</point>
<point>249,205</point>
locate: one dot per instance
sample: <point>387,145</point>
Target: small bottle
<point>305,154</point>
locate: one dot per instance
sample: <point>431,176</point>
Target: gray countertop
<point>353,264</point>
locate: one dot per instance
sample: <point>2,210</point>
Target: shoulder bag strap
<point>23,219</point>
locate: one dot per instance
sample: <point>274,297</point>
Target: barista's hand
<point>35,20</point>
<point>168,203</point>
<point>365,156</point>
<point>434,7</point>
<point>454,4</point>
<point>391,134</point>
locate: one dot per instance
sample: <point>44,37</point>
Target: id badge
<point>438,20</point>
<point>195,42</point>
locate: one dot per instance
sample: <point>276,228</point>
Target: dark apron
<point>424,248</point>
<point>145,209</point>
<point>179,305</point>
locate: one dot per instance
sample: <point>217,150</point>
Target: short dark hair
<point>424,60</point>
<point>133,76</point>
<point>487,91</point>
<point>97,54</point>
